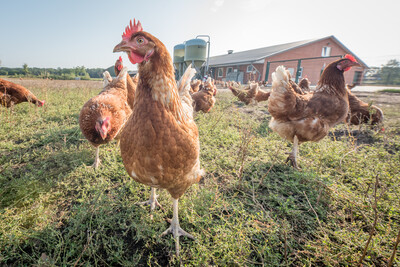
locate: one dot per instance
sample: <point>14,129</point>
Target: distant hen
<point>204,99</point>
<point>309,116</point>
<point>12,94</point>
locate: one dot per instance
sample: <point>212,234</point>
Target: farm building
<point>303,59</point>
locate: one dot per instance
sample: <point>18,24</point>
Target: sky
<point>66,34</point>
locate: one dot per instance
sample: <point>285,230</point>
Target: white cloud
<point>216,5</point>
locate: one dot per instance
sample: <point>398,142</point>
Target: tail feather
<point>184,90</point>
<point>280,79</point>
<point>184,82</point>
<point>283,99</point>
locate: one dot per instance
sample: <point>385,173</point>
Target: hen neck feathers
<point>332,81</point>
<point>157,77</point>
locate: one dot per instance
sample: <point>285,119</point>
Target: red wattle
<point>135,58</point>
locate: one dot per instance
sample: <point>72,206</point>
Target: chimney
<point>230,52</point>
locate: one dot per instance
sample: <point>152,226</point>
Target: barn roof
<point>258,55</point>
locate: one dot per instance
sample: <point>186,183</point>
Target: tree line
<point>79,72</point>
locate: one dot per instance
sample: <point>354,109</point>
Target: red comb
<point>348,56</point>
<point>131,29</point>
<point>120,59</point>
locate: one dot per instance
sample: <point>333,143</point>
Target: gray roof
<point>258,55</point>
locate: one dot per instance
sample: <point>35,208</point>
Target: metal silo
<point>195,52</point>
<point>179,55</point>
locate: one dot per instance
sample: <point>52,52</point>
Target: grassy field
<point>391,91</point>
<point>251,209</point>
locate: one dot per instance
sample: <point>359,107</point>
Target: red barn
<point>303,59</point>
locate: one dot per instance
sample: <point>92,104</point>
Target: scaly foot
<point>152,200</point>
<point>293,160</point>
<point>151,203</point>
<point>177,232</point>
<point>175,229</point>
<point>96,164</point>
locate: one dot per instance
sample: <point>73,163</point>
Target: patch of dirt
<point>361,137</point>
<point>379,98</point>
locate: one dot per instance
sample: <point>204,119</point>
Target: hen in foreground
<point>160,143</point>
<point>12,94</point>
<point>309,116</point>
<point>103,116</point>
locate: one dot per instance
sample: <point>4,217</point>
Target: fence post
<point>298,71</point>
<point>267,72</point>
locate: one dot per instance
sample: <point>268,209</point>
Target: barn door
<point>240,77</point>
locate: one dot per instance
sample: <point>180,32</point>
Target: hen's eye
<point>140,41</point>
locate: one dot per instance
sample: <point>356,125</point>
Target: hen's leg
<point>293,155</point>
<point>152,201</point>
<point>175,229</point>
<point>96,159</point>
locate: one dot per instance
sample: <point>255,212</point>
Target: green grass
<point>250,209</point>
<point>390,91</point>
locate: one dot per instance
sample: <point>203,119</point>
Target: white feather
<point>106,78</point>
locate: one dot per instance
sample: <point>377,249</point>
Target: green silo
<point>195,52</point>
<point>179,55</point>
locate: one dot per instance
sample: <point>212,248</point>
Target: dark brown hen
<point>302,117</point>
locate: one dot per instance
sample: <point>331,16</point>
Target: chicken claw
<point>175,228</point>
<point>293,160</point>
<point>152,201</point>
<point>293,155</point>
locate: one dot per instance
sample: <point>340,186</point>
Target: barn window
<point>326,51</point>
<point>250,68</point>
<point>220,72</point>
<point>229,70</point>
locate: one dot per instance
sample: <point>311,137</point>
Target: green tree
<point>26,69</point>
<point>390,72</point>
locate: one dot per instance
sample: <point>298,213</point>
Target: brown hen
<point>308,117</point>
<point>12,94</point>
<point>261,95</point>
<point>252,94</point>
<point>204,100</point>
<point>160,143</point>
<point>195,86</point>
<point>103,116</point>
<point>304,84</point>
<point>361,112</point>
<point>245,95</point>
